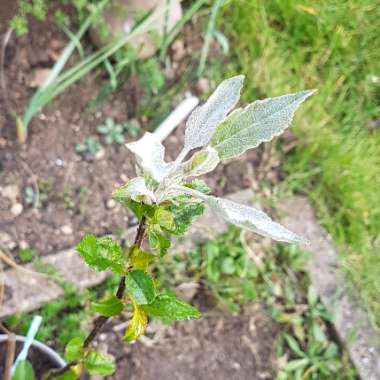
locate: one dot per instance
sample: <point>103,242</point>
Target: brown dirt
<point>214,347</point>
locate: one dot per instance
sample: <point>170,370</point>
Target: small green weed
<point>29,195</point>
<point>26,255</point>
<point>34,8</point>
<point>151,75</point>
<point>113,132</point>
<point>91,146</point>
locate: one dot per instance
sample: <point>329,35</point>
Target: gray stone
<point>26,291</point>
<point>350,320</point>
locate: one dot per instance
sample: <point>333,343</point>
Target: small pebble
<point>16,209</point>
<point>23,244</point>
<point>110,204</point>
<point>123,177</point>
<point>66,229</point>
<point>3,142</point>
<point>11,245</point>
<point>59,162</point>
<point>100,154</point>
<point>203,86</point>
<point>4,238</point>
<point>178,50</point>
<point>11,192</point>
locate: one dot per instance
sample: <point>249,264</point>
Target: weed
<point>29,195</point>
<point>151,75</point>
<point>112,131</point>
<point>132,127</point>
<point>91,146</point>
<point>26,255</point>
<point>35,8</point>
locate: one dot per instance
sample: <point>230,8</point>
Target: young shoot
<point>166,198</point>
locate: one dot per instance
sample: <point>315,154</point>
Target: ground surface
<point>237,348</point>
<point>222,348</point>
<point>74,190</point>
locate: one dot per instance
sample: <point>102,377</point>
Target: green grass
<point>285,46</point>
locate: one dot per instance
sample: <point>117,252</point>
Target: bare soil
<point>214,347</point>
<point>75,193</point>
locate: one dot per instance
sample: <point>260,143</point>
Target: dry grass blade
<point>7,260</point>
<point>11,351</point>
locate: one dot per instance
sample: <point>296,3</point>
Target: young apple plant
<point>165,199</point>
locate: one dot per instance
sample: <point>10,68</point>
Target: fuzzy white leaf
<point>201,124</point>
<point>200,163</point>
<point>252,219</point>
<point>150,156</point>
<point>260,121</point>
<point>246,217</point>
<point>136,190</point>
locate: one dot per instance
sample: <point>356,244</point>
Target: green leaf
<point>74,349</point>
<point>136,190</point>
<point>164,218</point>
<point>139,209</point>
<point>108,307</point>
<point>136,326</point>
<point>140,287</point>
<point>24,371</point>
<point>228,265</point>
<point>260,121</point>
<point>199,185</point>
<point>312,296</point>
<point>168,308</point>
<point>331,351</point>
<point>293,344</point>
<point>317,332</point>
<point>201,162</point>
<point>293,365</point>
<point>102,129</point>
<point>102,253</point>
<point>158,242</point>
<point>139,259</point>
<point>184,213</point>
<point>99,364</point>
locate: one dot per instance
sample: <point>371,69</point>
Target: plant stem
<point>101,320</point>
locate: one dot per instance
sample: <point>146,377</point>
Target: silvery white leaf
<point>246,217</point>
<point>136,190</point>
<point>200,163</point>
<point>150,156</point>
<point>260,121</point>
<point>252,219</point>
<point>202,122</point>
